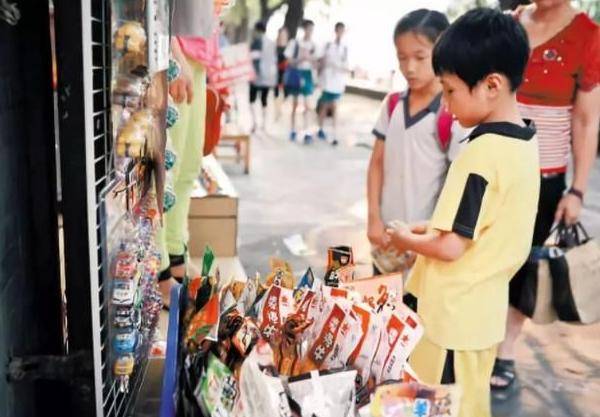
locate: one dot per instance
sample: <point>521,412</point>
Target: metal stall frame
<point>83,44</point>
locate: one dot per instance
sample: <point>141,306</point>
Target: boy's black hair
<point>428,23</point>
<point>339,25</point>
<point>306,23</point>
<point>480,42</point>
<point>260,27</point>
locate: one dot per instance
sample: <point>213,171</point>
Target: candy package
<point>416,400</point>
<point>281,274</point>
<point>204,324</point>
<point>324,394</point>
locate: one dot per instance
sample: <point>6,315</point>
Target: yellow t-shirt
<point>490,197</point>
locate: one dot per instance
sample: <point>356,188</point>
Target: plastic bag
<point>324,394</point>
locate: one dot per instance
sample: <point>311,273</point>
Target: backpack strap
<point>393,102</point>
<point>444,127</point>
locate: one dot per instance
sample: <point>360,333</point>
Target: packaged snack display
<point>340,265</point>
<point>315,350</point>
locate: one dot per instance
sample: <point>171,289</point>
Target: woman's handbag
<point>568,278</point>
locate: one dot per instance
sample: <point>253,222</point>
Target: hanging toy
<point>170,198</point>
<point>130,39</point>
<point>122,370</point>
<point>170,159</point>
<point>174,70</point>
<point>172,115</point>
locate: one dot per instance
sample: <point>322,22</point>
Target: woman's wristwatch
<point>576,193</point>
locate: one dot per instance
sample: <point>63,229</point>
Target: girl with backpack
<point>415,140</point>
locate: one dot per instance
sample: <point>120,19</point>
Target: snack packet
<point>362,357</point>
<point>218,390</point>
<point>338,257</point>
<point>416,400</point>
<point>378,292</point>
<point>275,306</point>
<point>261,392</point>
<point>401,333</point>
<point>281,274</point>
<point>334,336</point>
<point>204,324</point>
<point>324,394</point>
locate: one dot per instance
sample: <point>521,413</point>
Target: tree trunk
<point>294,16</point>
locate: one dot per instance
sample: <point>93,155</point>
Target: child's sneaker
<point>308,139</point>
<point>321,134</point>
<point>293,135</point>
<point>334,142</point>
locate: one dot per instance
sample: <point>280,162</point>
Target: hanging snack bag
<point>281,274</point>
<point>378,292</point>
<point>204,324</point>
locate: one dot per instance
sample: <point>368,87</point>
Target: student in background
<point>299,75</point>
<point>283,37</point>
<point>264,60</point>
<point>411,155</point>
<point>334,67</point>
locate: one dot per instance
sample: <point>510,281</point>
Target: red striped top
<point>557,69</point>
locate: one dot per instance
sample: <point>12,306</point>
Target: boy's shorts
<point>471,369</point>
<point>327,97</point>
<point>307,86</point>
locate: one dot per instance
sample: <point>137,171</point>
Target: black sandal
<point>504,369</point>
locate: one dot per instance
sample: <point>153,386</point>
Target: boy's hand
<point>419,228</point>
<point>376,233</point>
<point>397,236</point>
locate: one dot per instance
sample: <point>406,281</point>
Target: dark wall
<point>30,321</point>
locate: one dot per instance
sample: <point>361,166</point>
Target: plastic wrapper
<point>401,333</point>
<point>416,400</point>
<point>324,394</point>
<point>204,324</point>
<point>281,274</point>
<point>248,295</point>
<point>334,336</point>
<point>340,263</point>
<point>275,306</point>
<point>261,392</point>
<point>363,356</point>
<point>218,390</point>
<point>380,292</point>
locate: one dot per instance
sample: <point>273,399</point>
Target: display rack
<point>89,183</point>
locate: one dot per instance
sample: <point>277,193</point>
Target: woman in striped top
<point>561,94</point>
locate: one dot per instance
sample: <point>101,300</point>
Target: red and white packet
<point>401,333</point>
<point>276,305</point>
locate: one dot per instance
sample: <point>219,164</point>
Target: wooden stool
<point>232,136</point>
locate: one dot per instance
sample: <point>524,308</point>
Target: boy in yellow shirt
<point>481,228</point>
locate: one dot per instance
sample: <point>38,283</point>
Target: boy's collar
<point>505,129</point>
<point>432,107</point>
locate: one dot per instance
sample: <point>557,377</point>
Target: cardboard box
<point>212,218</point>
<point>220,233</point>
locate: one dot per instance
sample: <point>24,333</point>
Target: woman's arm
<point>376,228</point>
<point>584,124</point>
